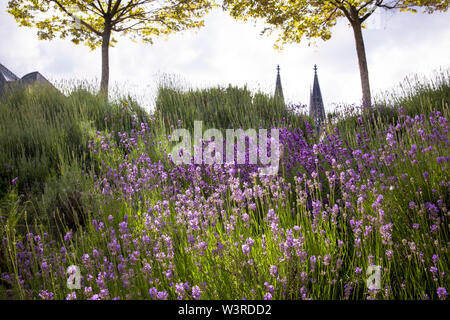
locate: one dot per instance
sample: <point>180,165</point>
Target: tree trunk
<point>104,84</point>
<point>362,60</point>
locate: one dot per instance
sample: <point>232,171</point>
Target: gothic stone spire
<point>278,87</point>
<point>316,108</point>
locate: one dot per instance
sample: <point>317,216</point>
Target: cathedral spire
<point>316,108</point>
<point>278,87</point>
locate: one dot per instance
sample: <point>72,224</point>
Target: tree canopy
<point>295,20</point>
<point>94,22</point>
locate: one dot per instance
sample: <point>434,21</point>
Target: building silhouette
<point>278,87</point>
<point>316,108</point>
<point>9,80</point>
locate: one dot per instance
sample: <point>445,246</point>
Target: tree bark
<point>362,60</point>
<point>104,84</point>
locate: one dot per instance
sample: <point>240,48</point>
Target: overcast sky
<point>227,51</point>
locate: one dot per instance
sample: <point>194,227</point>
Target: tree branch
<point>109,6</point>
<point>100,7</point>
<point>129,27</point>
<point>130,5</point>
<point>87,25</point>
<point>95,11</point>
<point>330,16</point>
<point>365,5</point>
<point>122,16</point>
<point>395,6</point>
<point>114,9</point>
<point>341,6</point>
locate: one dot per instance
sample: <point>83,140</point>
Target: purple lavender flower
<point>162,295</point>
<point>268,296</point>
<point>153,292</point>
<point>71,296</point>
<point>123,227</point>
<point>46,295</point>
<point>196,292</point>
<point>44,266</point>
<point>303,292</point>
<point>95,253</point>
<point>347,291</point>
<point>85,258</point>
<point>380,199</point>
<point>37,239</point>
<point>246,249</point>
<point>147,268</point>
<point>68,236</point>
<point>389,254</point>
<point>104,294</point>
<point>88,291</point>
<point>179,290</point>
<point>121,267</point>
<point>435,259</point>
<point>442,293</point>
<point>390,138</point>
<point>250,242</point>
<point>101,279</point>
<point>273,271</point>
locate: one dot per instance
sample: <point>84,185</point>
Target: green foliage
<point>85,21</point>
<point>419,95</point>
<point>299,19</point>
<point>413,96</point>
<point>222,108</point>
<point>43,132</point>
<point>406,274</point>
<point>95,23</point>
<point>314,19</point>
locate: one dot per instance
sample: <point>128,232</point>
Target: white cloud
<point>227,51</point>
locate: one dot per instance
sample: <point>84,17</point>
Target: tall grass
<point>419,94</point>
<point>44,136</point>
<point>413,96</point>
<point>223,108</point>
<point>164,231</point>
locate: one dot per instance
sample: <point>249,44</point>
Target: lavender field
<point>92,206</point>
